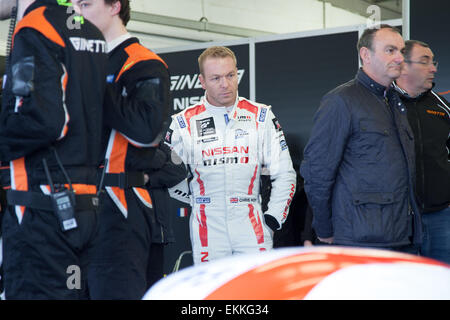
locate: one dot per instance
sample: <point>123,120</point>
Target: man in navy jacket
<point>359,162</point>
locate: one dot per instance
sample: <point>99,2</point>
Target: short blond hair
<point>215,52</point>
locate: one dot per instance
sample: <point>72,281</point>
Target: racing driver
<point>228,142</point>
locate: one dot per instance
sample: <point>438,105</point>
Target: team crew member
<point>429,117</point>
<point>228,142</point>
<point>136,105</point>
<point>359,163</point>
<point>50,132</point>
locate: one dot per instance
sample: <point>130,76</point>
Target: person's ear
<point>202,81</point>
<point>365,55</point>
<point>116,7</point>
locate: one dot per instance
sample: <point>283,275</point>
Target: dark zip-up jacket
<point>137,103</point>
<point>429,117</point>
<point>359,167</point>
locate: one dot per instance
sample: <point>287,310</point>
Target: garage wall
<point>429,23</point>
<point>293,74</point>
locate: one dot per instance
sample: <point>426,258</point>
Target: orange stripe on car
<point>296,276</point>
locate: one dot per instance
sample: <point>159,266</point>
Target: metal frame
<point>275,37</point>
<point>406,26</point>
<point>202,25</point>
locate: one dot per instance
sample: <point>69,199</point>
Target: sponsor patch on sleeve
<point>276,124</point>
<point>283,145</point>
<point>262,115</point>
<point>110,78</point>
<point>168,137</point>
<point>181,122</point>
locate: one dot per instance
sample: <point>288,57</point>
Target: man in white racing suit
<point>228,142</point>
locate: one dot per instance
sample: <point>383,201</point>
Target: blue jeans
<point>436,235</point>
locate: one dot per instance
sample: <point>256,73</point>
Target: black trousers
<point>40,261</point>
<point>156,267</point>
<point>122,265</point>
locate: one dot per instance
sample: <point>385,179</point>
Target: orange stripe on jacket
<point>116,163</point>
<point>144,196</point>
<point>78,188</point>
<point>137,53</point>
<point>64,81</point>
<point>19,181</point>
<point>36,20</point>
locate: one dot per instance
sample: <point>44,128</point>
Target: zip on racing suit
<point>227,152</point>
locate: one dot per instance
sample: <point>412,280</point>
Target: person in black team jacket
<point>429,117</point>
<point>50,132</point>
<point>136,105</point>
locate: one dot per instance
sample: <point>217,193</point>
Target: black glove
<point>271,222</point>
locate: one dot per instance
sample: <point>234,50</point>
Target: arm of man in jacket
<point>169,174</point>
<point>138,105</point>
<point>25,121</point>
<point>322,157</point>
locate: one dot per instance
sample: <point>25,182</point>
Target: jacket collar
<point>118,41</point>
<point>370,84</point>
<point>389,94</point>
<point>404,95</point>
<point>230,111</point>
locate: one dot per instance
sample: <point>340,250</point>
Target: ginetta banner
<point>186,83</point>
<point>185,86</point>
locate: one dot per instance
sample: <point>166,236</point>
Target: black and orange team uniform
<point>50,135</point>
<point>137,103</point>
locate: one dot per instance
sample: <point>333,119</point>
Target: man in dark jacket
<point>50,131</point>
<point>429,117</point>
<point>359,162</point>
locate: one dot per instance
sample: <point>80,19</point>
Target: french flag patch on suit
<point>182,212</point>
